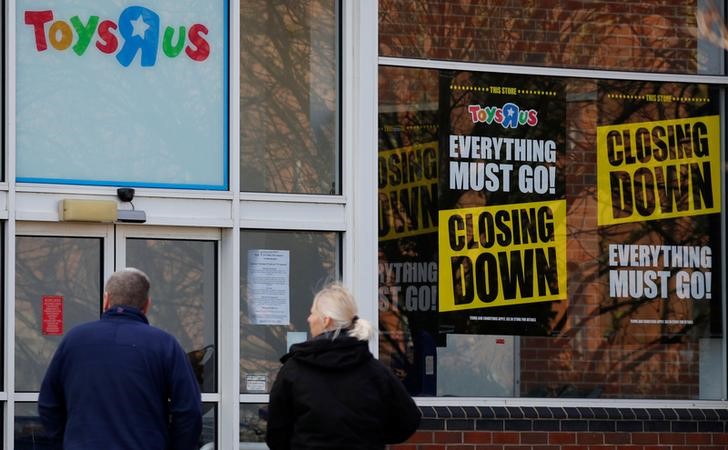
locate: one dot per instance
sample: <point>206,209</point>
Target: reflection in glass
<point>590,35</point>
<point>306,261</point>
<point>253,423</point>
<point>65,267</point>
<point>208,437</point>
<point>289,96</point>
<point>183,275</point>
<point>30,434</point>
<point>617,330</point>
<point>2,298</point>
<point>2,110</point>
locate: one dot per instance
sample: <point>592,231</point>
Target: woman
<point>331,392</point>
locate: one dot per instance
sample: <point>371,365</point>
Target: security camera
<point>125,194</point>
<point>129,215</point>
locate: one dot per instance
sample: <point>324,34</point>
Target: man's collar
<point>125,311</point>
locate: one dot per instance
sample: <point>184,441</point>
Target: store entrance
<point>60,273</point>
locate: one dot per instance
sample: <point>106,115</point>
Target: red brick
<point>505,438</point>
<point>448,437</point>
<point>720,438</point>
<point>672,438</point>
<point>477,437</point>
<point>698,438</point>
<point>534,438</point>
<point>619,438</point>
<point>645,438</point>
<point>562,438</point>
<point>590,438</point>
<point>488,447</point>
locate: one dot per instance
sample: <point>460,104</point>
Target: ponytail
<point>336,302</point>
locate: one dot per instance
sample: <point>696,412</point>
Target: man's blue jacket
<point>119,383</point>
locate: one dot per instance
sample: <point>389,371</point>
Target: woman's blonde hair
<point>337,303</point>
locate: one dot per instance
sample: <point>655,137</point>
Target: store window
<point>280,272</point>
<point>2,91</point>
<point>289,96</point>
<point>3,276</point>
<point>668,36</point>
<point>58,285</point>
<point>550,237</point>
<point>29,431</point>
<point>208,436</point>
<point>117,95</point>
<point>253,424</point>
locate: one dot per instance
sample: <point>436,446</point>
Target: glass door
<point>60,271</point>
<point>183,267</point>
<point>59,274</point>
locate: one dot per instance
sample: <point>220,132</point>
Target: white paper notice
<point>269,287</point>
<point>256,383</point>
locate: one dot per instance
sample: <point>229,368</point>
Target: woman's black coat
<point>334,394</point>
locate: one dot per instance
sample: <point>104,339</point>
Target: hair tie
<point>354,319</point>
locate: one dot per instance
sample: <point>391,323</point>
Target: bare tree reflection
<point>314,261</point>
<point>712,25</point>
<point>597,35</point>
<point>289,96</point>
<point>184,279</point>
<point>69,267</point>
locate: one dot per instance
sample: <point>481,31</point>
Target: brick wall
<point>568,428</point>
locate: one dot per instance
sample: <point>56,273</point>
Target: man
<point>119,383</point>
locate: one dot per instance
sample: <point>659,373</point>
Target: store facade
<point>540,235</point>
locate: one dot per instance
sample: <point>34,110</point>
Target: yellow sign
<point>408,191</point>
<point>658,170</point>
<point>502,255</point>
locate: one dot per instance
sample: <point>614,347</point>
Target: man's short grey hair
<point>129,287</point>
